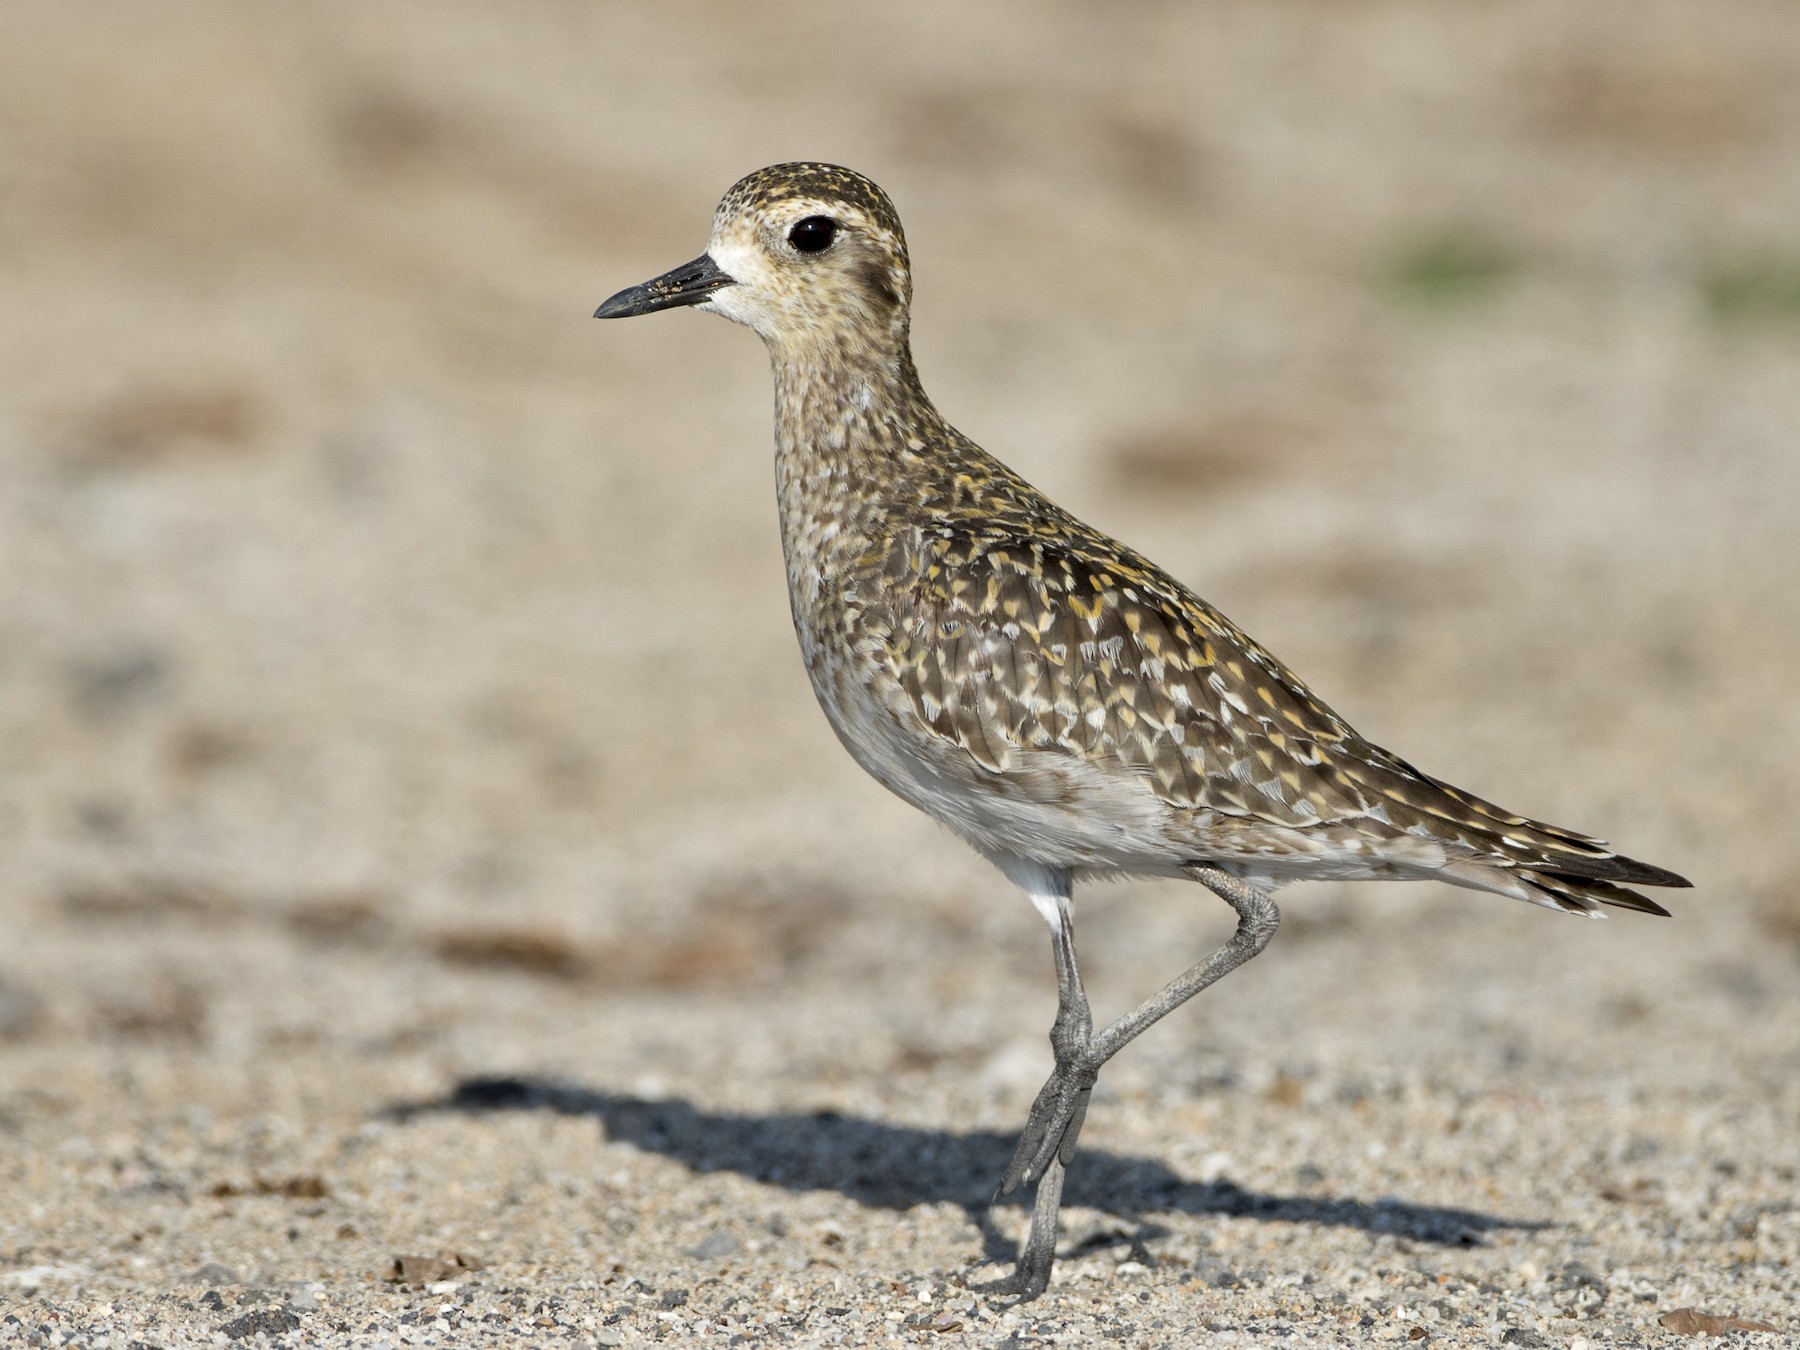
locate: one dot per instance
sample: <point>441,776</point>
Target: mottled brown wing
<point>1016,641</point>
<point>1009,643</point>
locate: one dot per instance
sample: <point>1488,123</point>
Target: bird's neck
<point>856,440</point>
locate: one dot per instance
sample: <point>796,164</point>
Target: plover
<point>1055,698</point>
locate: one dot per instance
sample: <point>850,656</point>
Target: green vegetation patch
<point>1451,268</point>
<point>1759,287</point>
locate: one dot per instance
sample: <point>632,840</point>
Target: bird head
<point>806,254</point>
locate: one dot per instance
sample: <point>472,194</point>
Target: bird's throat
<point>849,452</point>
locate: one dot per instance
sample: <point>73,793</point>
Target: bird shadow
<point>896,1167</point>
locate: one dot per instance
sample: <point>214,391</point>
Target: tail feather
<point>1493,849</point>
<point>1615,867</point>
<point>1547,886</point>
<point>1585,895</point>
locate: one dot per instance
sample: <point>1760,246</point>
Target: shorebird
<point>1056,699</point>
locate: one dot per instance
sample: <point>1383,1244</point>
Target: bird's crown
<point>813,248</point>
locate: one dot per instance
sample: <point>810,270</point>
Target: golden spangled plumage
<point>1043,688</point>
<point>1057,699</point>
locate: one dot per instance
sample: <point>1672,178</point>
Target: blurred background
<point>396,680</point>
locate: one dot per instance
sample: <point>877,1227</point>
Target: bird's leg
<point>1257,921</point>
<point>1056,1116</point>
<point>1061,1106</point>
<point>1048,1142</point>
<point>1038,1255</point>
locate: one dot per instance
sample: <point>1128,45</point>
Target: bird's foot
<point>1037,1255</point>
<point>1015,1287</point>
<point>1055,1122</point>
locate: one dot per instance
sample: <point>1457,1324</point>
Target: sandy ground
<point>417,839</point>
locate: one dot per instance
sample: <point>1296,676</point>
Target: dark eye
<point>814,234</point>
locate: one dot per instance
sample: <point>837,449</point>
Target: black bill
<point>688,284</point>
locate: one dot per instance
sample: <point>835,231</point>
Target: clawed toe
<point>1053,1127</point>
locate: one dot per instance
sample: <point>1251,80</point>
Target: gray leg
<point>1038,1254</point>
<point>1257,921</point>
<point>1063,1100</point>
<point>1056,1116</point>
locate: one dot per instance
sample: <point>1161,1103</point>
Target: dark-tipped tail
<point>1585,895</point>
<point>1491,849</point>
<point>1573,883</point>
<point>1578,884</point>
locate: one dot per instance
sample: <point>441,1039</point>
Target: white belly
<point>1049,808</point>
